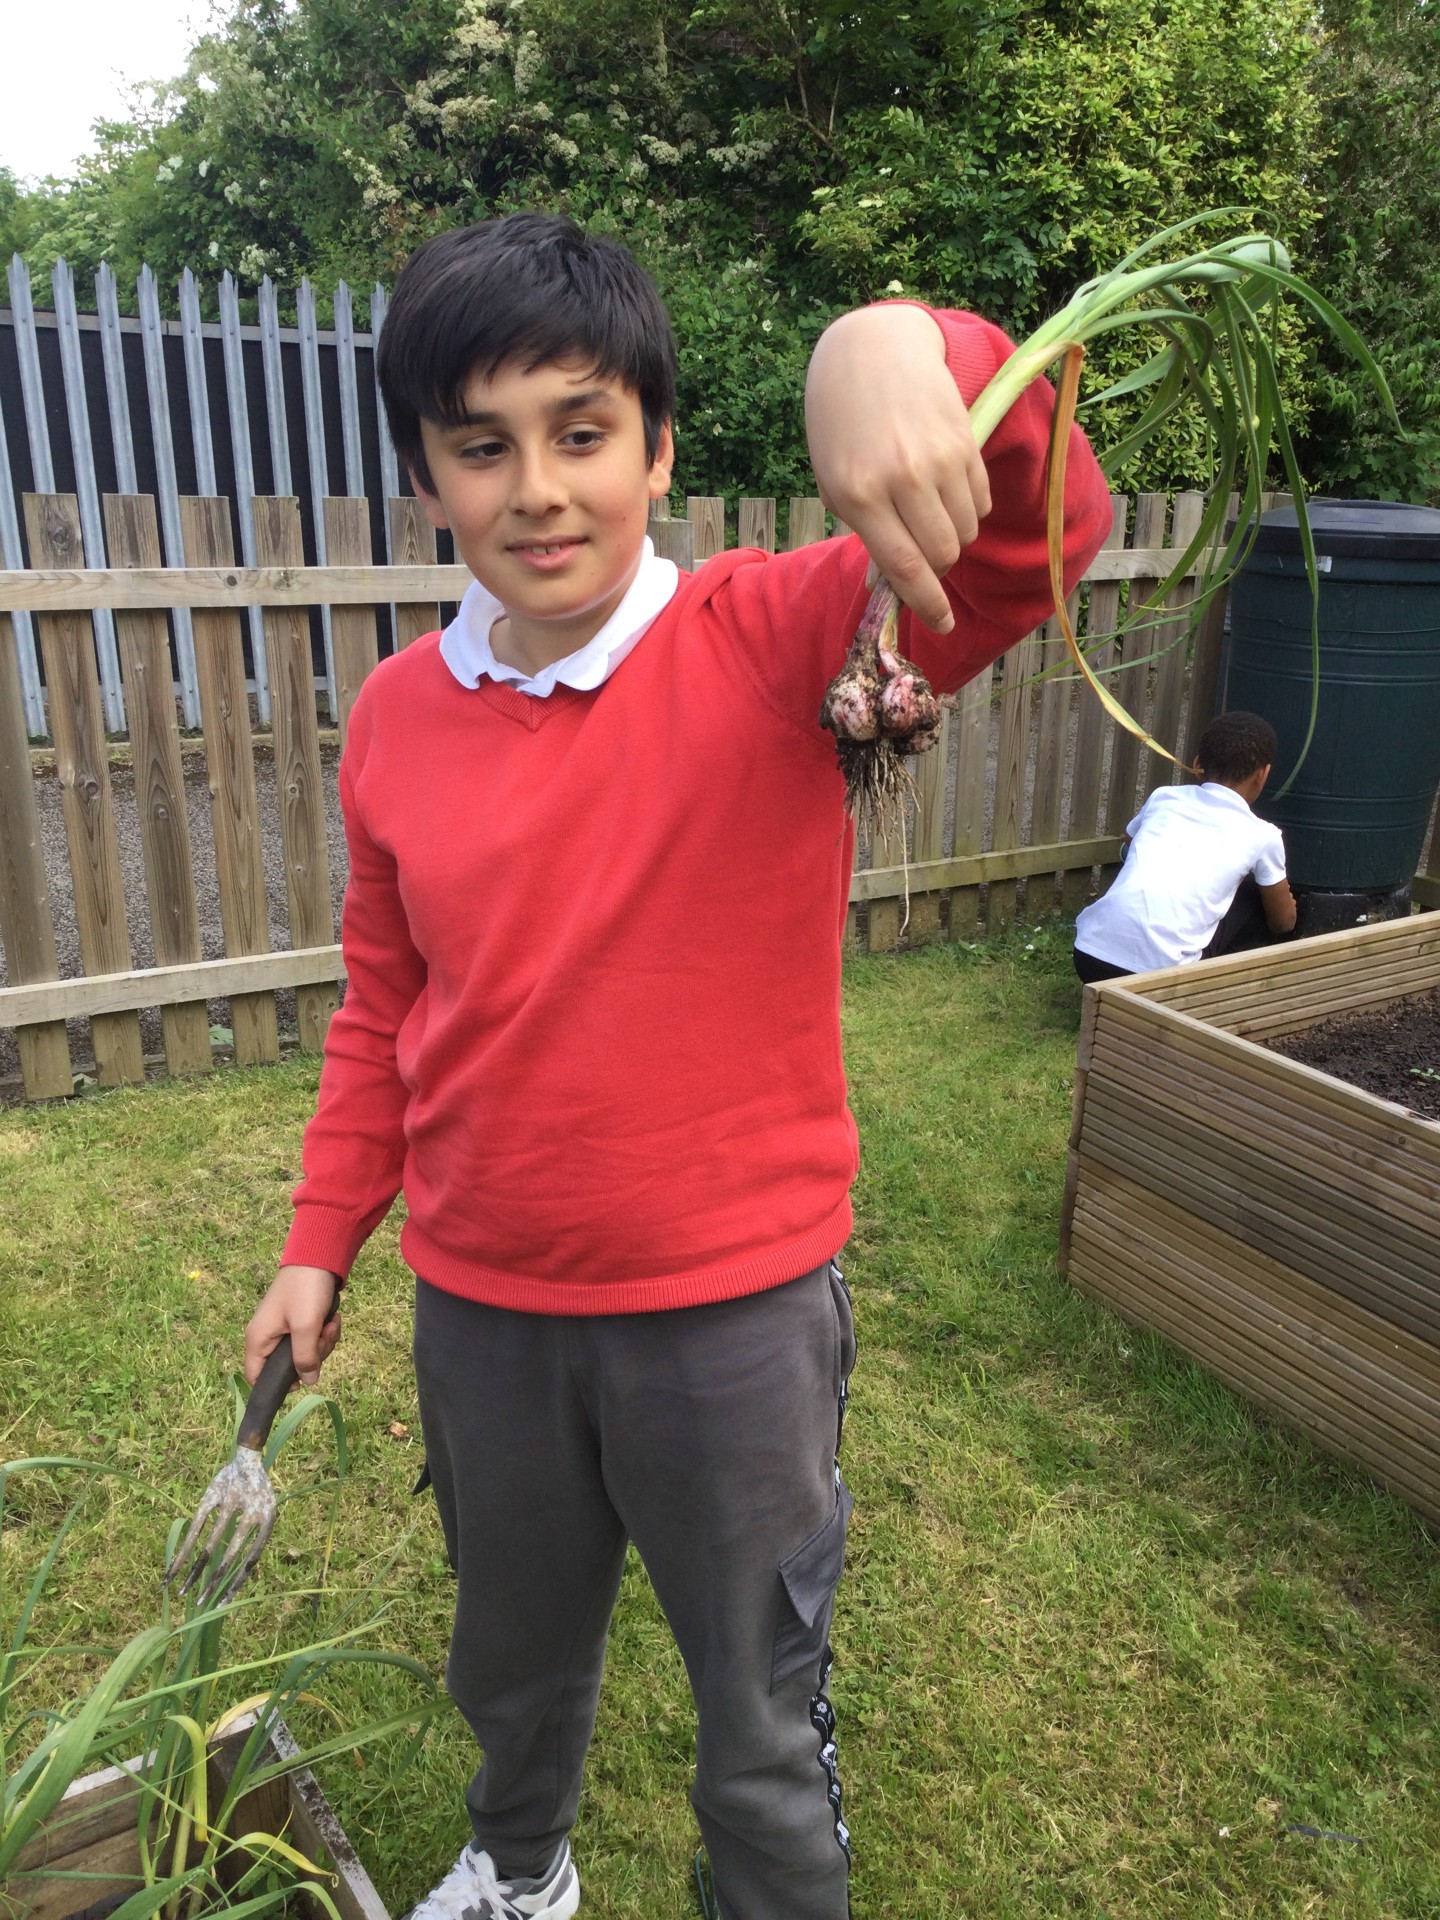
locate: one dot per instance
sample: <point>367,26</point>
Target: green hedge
<point>776,163</point>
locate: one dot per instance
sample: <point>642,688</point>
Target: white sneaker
<point>472,1890</point>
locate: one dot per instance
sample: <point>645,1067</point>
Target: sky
<point>69,62</point>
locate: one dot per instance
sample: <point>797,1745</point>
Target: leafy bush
<point>776,163</point>
<point>1378,249</point>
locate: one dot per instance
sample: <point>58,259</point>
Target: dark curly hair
<point>1234,746</point>
<point>529,288</point>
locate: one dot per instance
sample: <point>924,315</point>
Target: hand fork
<point>240,1501</point>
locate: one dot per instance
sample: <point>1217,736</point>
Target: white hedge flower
<point>743,154</point>
<point>459,116</point>
<point>481,36</point>
<point>420,102</point>
<point>528,62</point>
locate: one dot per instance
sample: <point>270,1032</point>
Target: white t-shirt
<point>1190,847</point>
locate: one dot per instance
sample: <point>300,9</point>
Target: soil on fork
<point>1391,1051</point>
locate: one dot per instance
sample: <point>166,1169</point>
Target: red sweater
<point>592,1025</point>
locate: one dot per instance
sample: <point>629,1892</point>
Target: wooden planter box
<point>1278,1224</point>
<point>93,1831</point>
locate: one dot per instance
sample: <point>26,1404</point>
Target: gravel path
<point>207,892</point>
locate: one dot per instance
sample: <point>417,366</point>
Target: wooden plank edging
<point>1340,1092</point>
<point>974,869</point>
<point>1193,1303</point>
<point>24,1006</point>
<point>77,589</point>
<point>1176,986</point>
<point>80,589</point>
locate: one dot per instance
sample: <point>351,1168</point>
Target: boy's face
<point>546,488</point>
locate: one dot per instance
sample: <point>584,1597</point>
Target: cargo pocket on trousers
<point>809,1577</point>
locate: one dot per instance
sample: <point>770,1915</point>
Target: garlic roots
<point>881,709</point>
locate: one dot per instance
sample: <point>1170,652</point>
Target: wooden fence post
<point>354,643</point>
<point>807,521</point>
<point>1091,726</point>
<point>298,778</point>
<point>706,514</point>
<point>132,537</point>
<point>930,774</point>
<point>82,763</point>
<point>757,525</point>
<point>1173,636</point>
<point>1019,667</point>
<point>674,540</point>
<point>1205,660</point>
<point>25,923</point>
<point>970,725</point>
<point>1052,740</point>
<point>412,544</point>
<point>225,718</point>
<point>1130,683</point>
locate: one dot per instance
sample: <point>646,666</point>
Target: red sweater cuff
<point>323,1237</point>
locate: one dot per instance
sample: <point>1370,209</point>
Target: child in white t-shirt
<point>1202,874</point>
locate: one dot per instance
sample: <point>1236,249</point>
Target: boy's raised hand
<point>892,449</point>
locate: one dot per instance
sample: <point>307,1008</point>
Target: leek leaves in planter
<point>165,1699</point>
<point>1214,310</point>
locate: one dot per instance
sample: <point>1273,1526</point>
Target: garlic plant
<point>167,1697</point>
<point>1214,310</point>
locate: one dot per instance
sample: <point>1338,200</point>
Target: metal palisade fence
<point>97,404</point>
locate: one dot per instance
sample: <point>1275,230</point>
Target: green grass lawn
<point>1105,1635</point>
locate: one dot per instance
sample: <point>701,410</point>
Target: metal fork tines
<point>239,1504</point>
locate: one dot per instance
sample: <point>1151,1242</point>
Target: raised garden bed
<point>92,1833</point>
<point>1275,1222</point>
<point>1392,1050</point>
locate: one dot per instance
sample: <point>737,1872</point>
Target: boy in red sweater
<point>599,867</point>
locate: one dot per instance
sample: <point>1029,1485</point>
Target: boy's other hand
<point>297,1303</point>
<point>892,449</point>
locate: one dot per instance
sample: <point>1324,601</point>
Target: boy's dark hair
<point>529,288</point>
<point>1236,745</point>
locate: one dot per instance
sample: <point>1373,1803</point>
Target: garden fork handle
<point>267,1396</point>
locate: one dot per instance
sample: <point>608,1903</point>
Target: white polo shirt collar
<point>465,643</point>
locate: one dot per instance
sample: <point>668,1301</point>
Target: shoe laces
<point>470,1884</point>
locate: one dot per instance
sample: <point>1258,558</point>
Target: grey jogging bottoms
<point>709,1436</point>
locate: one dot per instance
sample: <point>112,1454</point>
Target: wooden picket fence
<point>999,819</point>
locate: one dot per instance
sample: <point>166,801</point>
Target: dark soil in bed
<point>1392,1051</point>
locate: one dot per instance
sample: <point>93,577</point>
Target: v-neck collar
<point>529,709</point>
